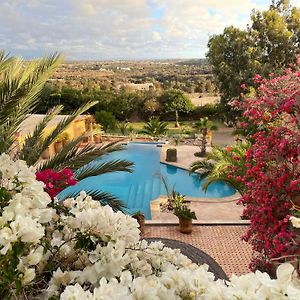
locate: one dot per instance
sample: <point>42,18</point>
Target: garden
<point>82,248</point>
<point>85,245</point>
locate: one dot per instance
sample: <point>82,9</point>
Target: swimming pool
<point>137,189</point>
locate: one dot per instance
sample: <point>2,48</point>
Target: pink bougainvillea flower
<point>55,181</point>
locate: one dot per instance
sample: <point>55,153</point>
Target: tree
<point>154,127</point>
<point>106,119</point>
<point>123,104</point>
<point>203,126</point>
<point>269,45</point>
<point>176,101</point>
<point>151,106</point>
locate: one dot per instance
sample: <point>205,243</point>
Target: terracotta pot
<point>58,146</point>
<point>97,139</point>
<point>46,154</point>
<point>65,142</point>
<point>141,220</point>
<point>185,225</point>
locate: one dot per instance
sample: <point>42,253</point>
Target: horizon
<point>114,30</point>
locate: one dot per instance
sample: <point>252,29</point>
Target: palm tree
<point>219,161</point>
<point>20,87</point>
<point>203,126</point>
<point>154,127</point>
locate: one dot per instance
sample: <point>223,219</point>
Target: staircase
<point>140,195</point>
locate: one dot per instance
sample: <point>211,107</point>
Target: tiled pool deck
<point>222,242</point>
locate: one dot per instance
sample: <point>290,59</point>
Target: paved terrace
<point>222,242</point>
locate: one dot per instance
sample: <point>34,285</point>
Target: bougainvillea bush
<point>272,179</point>
<point>56,181</point>
<point>82,250</point>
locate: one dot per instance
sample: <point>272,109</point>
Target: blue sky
<point>119,29</point>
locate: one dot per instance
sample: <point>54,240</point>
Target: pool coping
<point>198,222</point>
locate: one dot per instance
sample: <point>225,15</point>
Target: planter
<point>185,225</point>
<point>65,142</point>
<point>171,155</point>
<point>141,220</point>
<point>97,139</point>
<point>58,146</point>
<point>46,154</point>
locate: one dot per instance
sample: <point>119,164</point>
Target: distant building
<point>140,86</point>
<point>123,69</point>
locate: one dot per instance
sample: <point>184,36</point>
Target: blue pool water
<point>137,189</point>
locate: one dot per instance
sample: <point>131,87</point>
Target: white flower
<point>27,229</point>
<point>28,276</point>
<point>112,290</point>
<point>295,221</point>
<point>7,236</point>
<point>35,256</point>
<point>75,292</point>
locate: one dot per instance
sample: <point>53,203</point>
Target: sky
<point>119,29</point>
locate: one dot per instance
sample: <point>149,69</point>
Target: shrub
<point>106,119</point>
<point>273,168</point>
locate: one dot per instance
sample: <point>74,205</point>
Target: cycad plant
<point>155,128</point>
<point>20,87</point>
<point>221,163</point>
<point>203,126</point>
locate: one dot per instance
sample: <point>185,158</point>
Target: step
<point>156,190</point>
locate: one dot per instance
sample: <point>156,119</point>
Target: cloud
<point>118,29</point>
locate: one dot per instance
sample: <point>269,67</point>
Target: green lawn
<point>186,128</point>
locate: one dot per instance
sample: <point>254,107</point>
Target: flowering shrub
<point>273,168</point>
<point>81,250</point>
<point>54,181</point>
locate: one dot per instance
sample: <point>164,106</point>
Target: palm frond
<point>62,159</point>
<point>219,161</point>
<point>90,152</point>
<point>32,147</point>
<point>20,86</point>
<point>201,165</point>
<point>74,157</point>
<point>62,125</point>
<point>98,168</point>
<point>103,197</point>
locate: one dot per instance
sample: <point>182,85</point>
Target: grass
<point>186,128</point>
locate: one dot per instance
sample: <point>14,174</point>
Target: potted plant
<point>65,137</point>
<point>58,145</point>
<point>97,132</point>
<point>185,215</point>
<point>61,140</point>
<point>140,217</point>
<point>46,153</point>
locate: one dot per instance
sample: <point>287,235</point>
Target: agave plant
<point>155,128</point>
<point>219,161</point>
<point>20,86</point>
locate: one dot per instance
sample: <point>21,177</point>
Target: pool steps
<point>138,195</point>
